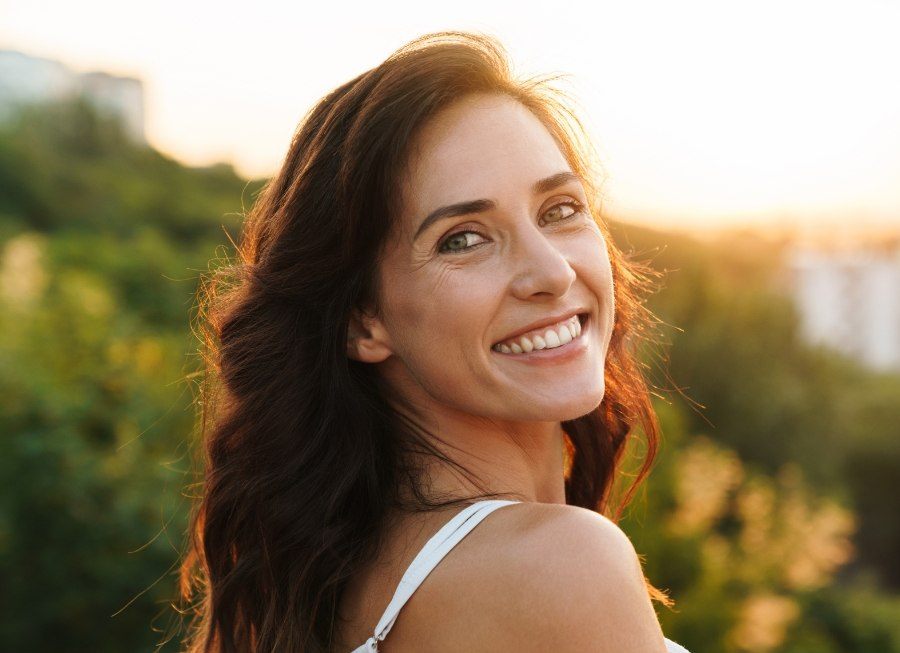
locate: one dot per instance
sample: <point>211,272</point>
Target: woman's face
<point>521,249</point>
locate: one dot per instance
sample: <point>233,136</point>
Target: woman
<point>427,324</point>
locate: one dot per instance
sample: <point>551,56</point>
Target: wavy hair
<point>303,454</point>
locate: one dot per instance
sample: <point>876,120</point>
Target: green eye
<point>575,206</point>
<point>458,237</point>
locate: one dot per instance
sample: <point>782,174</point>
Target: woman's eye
<point>556,210</point>
<point>457,242</point>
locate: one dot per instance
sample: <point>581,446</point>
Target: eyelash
<point>577,206</point>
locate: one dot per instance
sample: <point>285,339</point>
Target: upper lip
<point>547,321</point>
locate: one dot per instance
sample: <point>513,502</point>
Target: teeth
<point>548,339</point>
<point>552,338</point>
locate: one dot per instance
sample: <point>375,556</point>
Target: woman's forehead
<point>479,147</point>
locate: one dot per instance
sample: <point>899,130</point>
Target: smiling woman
<point>428,321</point>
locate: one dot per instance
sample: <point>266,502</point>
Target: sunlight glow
<point>704,113</point>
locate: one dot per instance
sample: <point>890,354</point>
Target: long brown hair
<point>304,455</point>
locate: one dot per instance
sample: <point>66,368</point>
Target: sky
<point>705,114</point>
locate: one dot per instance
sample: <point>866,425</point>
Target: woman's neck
<point>522,460</point>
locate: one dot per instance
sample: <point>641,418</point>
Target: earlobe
<point>367,340</point>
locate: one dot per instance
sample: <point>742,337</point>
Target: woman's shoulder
<point>548,533</point>
<point>549,577</point>
<point>573,583</point>
<point>550,521</point>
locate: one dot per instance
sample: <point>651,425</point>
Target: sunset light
<point>704,113</point>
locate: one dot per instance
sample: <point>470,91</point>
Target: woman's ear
<point>367,340</point>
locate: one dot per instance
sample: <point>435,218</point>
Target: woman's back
<point>450,586</point>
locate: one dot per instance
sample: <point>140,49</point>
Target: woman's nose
<point>540,266</point>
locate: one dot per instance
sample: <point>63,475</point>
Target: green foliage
<point>768,396</point>
<point>62,166</point>
<point>778,422</point>
<point>101,244</point>
<point>93,414</point>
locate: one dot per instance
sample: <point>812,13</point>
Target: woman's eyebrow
<point>479,206</point>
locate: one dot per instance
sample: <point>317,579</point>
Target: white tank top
<point>427,559</point>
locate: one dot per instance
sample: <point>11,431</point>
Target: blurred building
<point>849,299</point>
<point>25,79</point>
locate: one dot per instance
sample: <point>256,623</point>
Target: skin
<point>442,311</point>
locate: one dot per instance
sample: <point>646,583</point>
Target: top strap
<point>427,559</point>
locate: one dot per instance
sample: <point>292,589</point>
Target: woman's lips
<point>541,325</point>
<point>561,353</point>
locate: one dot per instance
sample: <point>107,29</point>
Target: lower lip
<point>562,354</point>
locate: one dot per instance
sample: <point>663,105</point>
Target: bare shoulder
<point>554,530</point>
<point>557,577</point>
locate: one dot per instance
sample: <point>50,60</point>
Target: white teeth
<point>551,338</point>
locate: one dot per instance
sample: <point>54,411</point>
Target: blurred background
<point>751,153</point>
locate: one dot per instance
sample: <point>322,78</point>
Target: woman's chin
<point>560,406</point>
